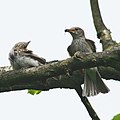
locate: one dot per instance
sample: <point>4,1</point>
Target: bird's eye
<point>76,28</point>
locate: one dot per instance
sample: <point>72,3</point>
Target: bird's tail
<point>93,84</point>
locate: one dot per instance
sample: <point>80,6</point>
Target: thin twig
<point>87,104</point>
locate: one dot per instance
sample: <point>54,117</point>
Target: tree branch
<point>103,33</point>
<point>97,19</point>
<point>87,104</point>
<point>61,74</point>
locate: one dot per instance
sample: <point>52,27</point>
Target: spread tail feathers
<point>93,83</point>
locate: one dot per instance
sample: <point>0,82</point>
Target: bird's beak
<point>27,43</point>
<point>70,30</point>
<point>66,30</point>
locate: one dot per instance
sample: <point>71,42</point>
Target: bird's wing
<point>69,50</point>
<point>11,57</point>
<point>40,59</point>
<point>91,44</point>
<point>30,54</point>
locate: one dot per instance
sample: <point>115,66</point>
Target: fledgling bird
<point>93,83</point>
<point>21,57</point>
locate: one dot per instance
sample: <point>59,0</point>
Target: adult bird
<point>93,83</point>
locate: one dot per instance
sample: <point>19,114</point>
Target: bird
<point>93,83</point>
<point>21,57</point>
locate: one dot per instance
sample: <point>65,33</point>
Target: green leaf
<point>34,92</point>
<point>116,117</point>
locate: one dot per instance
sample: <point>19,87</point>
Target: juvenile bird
<point>21,57</point>
<point>93,83</point>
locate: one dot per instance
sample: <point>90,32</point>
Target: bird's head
<point>21,45</point>
<point>76,32</point>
